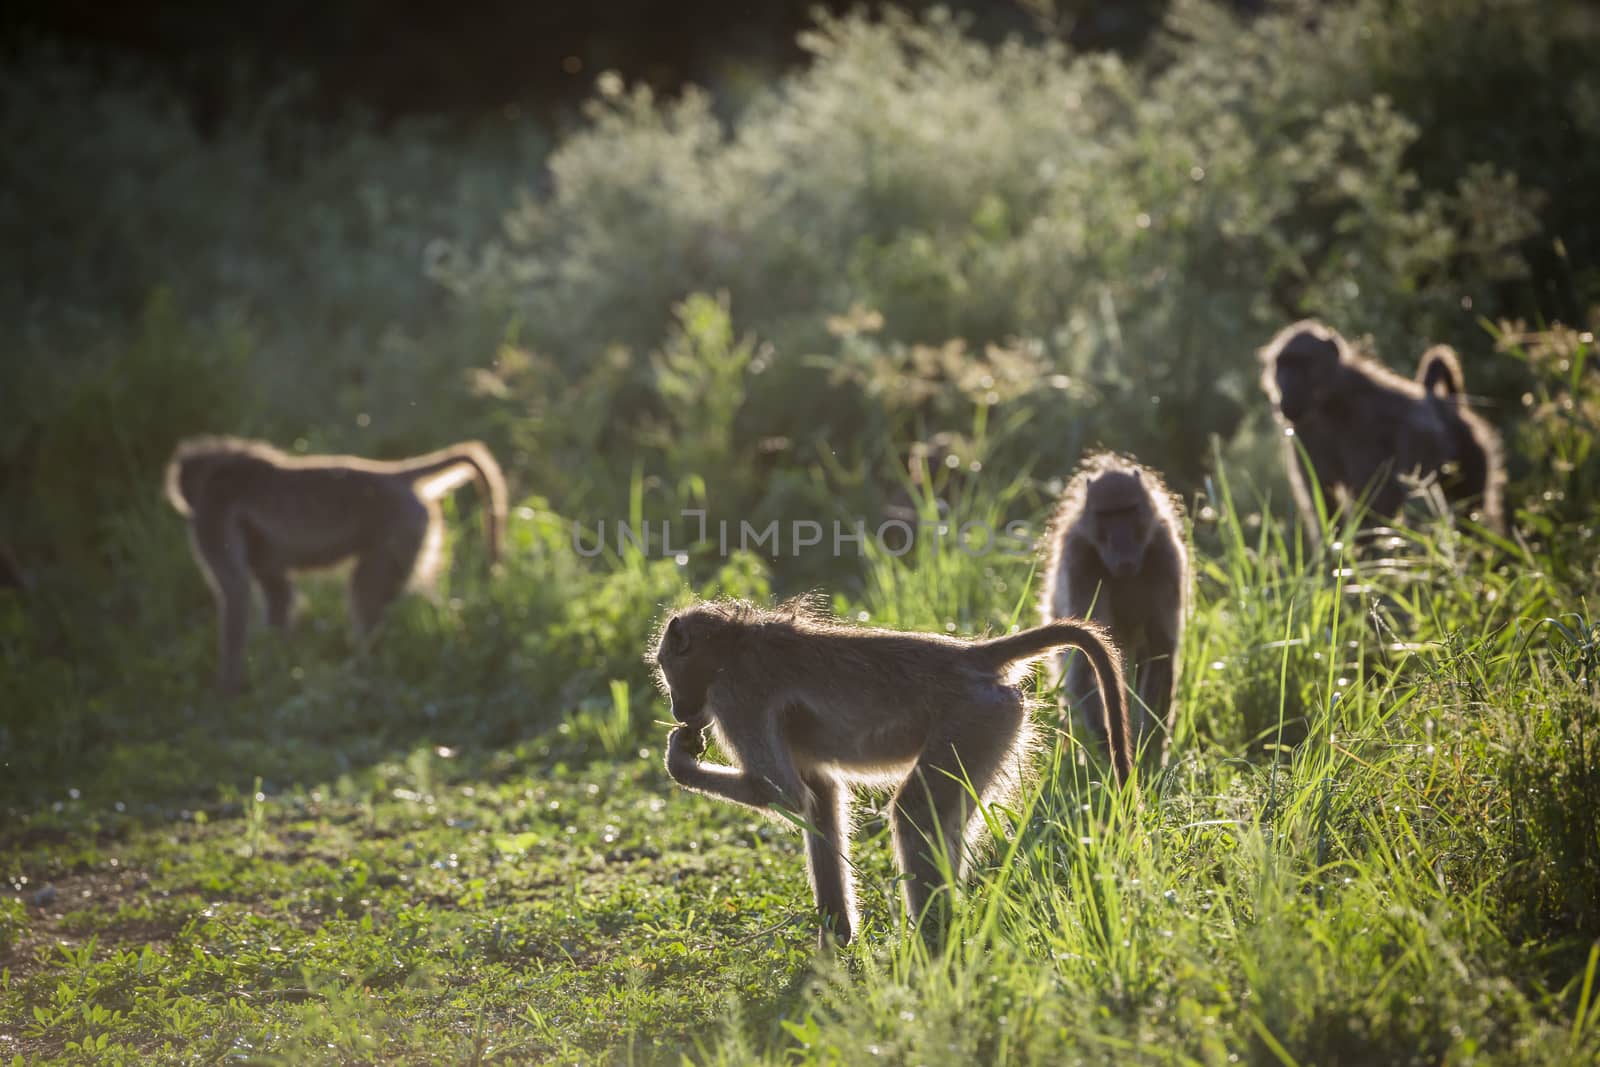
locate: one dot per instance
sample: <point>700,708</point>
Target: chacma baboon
<point>1477,473</point>
<point>1365,430</point>
<point>810,708</point>
<point>1116,555</point>
<point>256,512</point>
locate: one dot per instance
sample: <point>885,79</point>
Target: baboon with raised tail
<point>810,709</point>
<point>257,514</point>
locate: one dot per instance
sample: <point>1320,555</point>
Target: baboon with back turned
<point>1116,554</point>
<point>257,513</point>
<point>810,708</point>
<point>1366,431</point>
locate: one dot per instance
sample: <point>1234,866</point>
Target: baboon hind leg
<point>937,800</point>
<point>1152,719</point>
<point>278,592</point>
<point>382,572</point>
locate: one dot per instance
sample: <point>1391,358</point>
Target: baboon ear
<point>677,637</point>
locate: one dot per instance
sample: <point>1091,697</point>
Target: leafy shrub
<point>1149,230</point>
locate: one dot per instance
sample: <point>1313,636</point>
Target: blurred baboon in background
<point>1364,429</point>
<point>1116,554</point>
<point>256,512</point>
<point>810,708</point>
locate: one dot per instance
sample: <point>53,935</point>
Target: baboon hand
<point>684,745</point>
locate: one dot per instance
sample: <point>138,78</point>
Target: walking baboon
<point>1476,474</point>
<point>256,512</point>
<point>1116,554</point>
<point>1364,429</point>
<point>810,709</point>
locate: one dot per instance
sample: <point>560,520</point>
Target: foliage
<point>1143,230</point>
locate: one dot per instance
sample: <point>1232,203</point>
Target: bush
<point>1147,229</point>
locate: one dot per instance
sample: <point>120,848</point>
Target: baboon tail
<point>172,487</point>
<point>1439,371</point>
<point>1093,641</point>
<point>484,470</point>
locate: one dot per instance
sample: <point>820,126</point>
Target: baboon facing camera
<point>810,708</point>
<point>1116,555</point>
<point>1366,431</point>
<point>256,513</point>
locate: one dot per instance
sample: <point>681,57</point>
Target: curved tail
<point>1439,371</point>
<point>449,467</point>
<point>1093,641</point>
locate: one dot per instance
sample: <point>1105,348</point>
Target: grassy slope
<point>1412,883</point>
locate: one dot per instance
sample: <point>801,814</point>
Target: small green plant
<point>13,923</point>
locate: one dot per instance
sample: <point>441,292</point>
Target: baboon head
<point>1300,364</point>
<point>1121,520</point>
<point>690,655</point>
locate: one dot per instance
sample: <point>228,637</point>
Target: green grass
<point>1376,844</point>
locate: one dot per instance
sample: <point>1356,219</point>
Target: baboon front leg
<point>1083,692</point>
<point>1153,724</point>
<point>936,801</point>
<point>768,781</point>
<point>828,860</point>
<point>1310,473</point>
<point>1081,689</point>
